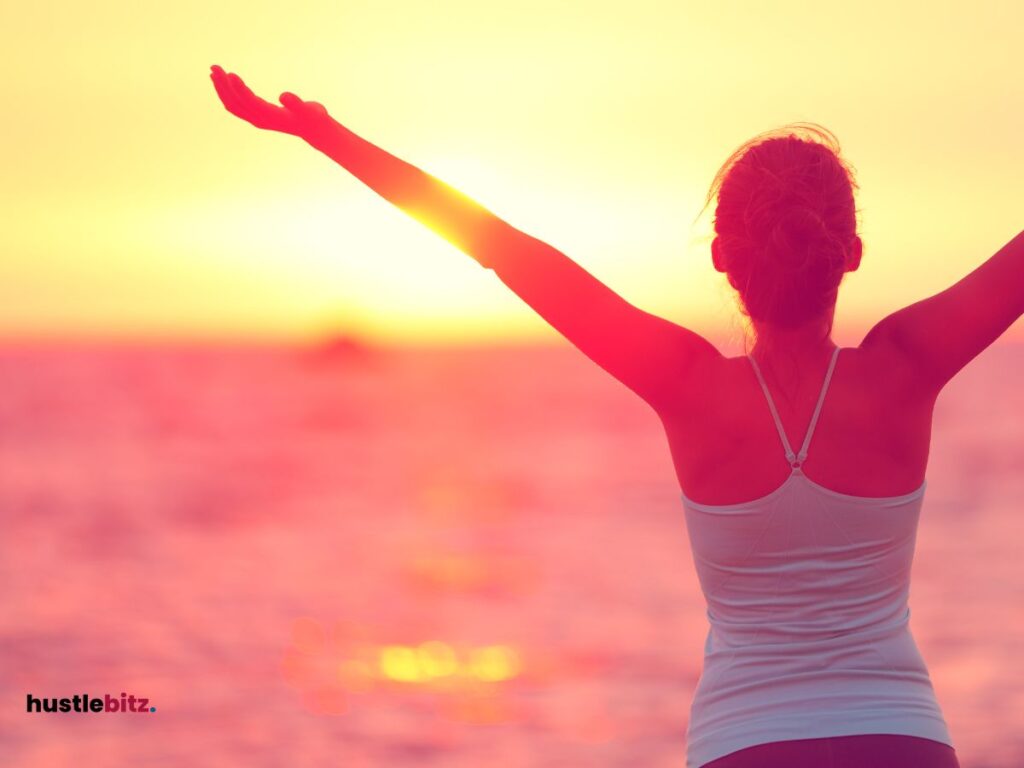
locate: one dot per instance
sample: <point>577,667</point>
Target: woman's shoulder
<point>867,373</point>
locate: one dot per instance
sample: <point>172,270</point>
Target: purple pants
<point>867,751</point>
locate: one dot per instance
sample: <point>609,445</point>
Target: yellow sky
<point>135,205</point>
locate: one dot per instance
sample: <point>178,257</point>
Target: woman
<point>803,556</point>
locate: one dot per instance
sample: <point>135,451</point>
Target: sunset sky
<point>136,206</point>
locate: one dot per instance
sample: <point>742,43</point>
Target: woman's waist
<point>810,634</point>
<point>791,692</point>
<point>888,663</point>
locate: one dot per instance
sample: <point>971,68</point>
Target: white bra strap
<point>790,456</point>
<point>802,456</point>
<point>795,460</point>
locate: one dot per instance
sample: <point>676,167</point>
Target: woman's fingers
<point>265,113</point>
<point>225,92</point>
<point>253,104</point>
<point>238,98</point>
<point>231,88</point>
<point>242,89</point>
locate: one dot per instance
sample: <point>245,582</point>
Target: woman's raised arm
<point>938,336</point>
<point>650,355</point>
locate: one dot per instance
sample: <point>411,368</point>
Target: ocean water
<point>440,557</point>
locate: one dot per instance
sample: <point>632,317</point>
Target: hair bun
<point>797,235</point>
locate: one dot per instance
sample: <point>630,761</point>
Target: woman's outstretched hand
<point>306,119</point>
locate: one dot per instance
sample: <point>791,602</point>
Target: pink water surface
<point>434,557</point>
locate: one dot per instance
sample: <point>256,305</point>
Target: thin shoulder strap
<point>802,456</point>
<point>795,460</point>
<point>790,456</point>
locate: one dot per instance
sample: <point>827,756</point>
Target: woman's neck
<point>806,342</point>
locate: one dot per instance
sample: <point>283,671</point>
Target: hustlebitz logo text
<point>126,703</point>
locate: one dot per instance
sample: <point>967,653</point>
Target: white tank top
<point>807,599</point>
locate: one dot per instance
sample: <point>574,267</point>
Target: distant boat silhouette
<point>340,348</point>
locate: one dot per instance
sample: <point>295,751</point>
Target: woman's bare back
<point>871,438</point>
